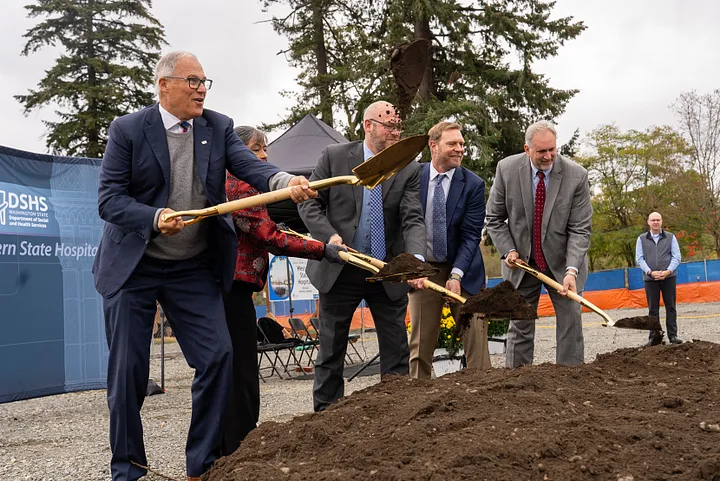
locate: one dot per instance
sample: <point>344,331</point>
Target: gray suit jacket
<point>567,217</point>
<point>337,210</point>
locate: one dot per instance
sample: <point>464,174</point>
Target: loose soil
<point>498,302</point>
<point>646,413</point>
<point>645,323</point>
<point>407,64</point>
<point>405,266</point>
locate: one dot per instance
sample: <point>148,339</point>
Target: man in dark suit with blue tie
<point>172,154</point>
<point>453,202</point>
<point>383,222</point>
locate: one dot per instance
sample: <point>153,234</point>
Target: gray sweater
<point>186,193</point>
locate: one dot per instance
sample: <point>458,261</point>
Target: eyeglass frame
<point>190,79</point>
<point>392,127</point>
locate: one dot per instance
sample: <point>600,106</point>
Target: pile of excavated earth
<point>649,413</point>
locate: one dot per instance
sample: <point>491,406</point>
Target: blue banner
<point>52,336</point>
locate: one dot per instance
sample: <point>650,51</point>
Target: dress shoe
<point>675,340</point>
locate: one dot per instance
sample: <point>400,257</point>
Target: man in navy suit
<point>453,202</point>
<point>169,157</point>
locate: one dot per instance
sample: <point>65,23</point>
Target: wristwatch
<point>455,276</point>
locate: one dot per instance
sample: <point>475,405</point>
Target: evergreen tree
<point>104,72</point>
<point>480,73</point>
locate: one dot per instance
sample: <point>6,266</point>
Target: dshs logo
<point>25,202</point>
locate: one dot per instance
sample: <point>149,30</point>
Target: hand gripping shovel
<point>373,265</point>
<point>500,301</point>
<point>383,166</point>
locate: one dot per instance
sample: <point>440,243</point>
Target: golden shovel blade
<point>385,164</point>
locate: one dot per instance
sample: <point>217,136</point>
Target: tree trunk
<point>326,104</point>
<point>93,133</point>
<point>422,31</point>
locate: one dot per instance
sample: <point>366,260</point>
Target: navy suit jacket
<point>135,182</point>
<point>465,216</point>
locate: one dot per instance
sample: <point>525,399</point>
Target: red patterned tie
<point>537,222</point>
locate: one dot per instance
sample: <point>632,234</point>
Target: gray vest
<point>657,256</point>
<point>186,193</point>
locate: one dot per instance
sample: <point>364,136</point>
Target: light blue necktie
<point>377,224</point>
<point>439,224</point>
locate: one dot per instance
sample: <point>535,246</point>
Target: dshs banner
<point>52,336</point>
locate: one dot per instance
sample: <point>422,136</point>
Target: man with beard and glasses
<point>383,222</point>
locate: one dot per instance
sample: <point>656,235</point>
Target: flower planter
<point>496,345</point>
<point>443,363</point>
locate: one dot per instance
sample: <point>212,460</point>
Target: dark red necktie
<point>537,222</point>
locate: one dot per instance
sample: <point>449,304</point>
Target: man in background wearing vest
<point>657,253</point>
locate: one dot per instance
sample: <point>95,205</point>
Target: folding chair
<point>270,350</point>
<point>352,338</point>
<point>300,331</point>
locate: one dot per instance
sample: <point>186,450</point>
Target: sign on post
<point>282,279</point>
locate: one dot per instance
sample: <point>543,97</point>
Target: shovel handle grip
<point>256,200</point>
<point>353,257</point>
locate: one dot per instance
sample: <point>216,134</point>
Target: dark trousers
<point>652,293</point>
<point>336,311</point>
<point>244,404</point>
<point>191,298</point>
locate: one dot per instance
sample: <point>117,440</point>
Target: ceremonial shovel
<point>383,166</point>
<point>642,323</point>
<point>360,260</point>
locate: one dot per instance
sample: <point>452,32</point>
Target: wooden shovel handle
<point>558,287</point>
<point>428,284</point>
<point>256,200</point>
<point>440,289</point>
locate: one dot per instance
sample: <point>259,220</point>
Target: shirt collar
<point>434,173</point>
<point>535,171</point>
<point>169,120</point>
<point>366,152</point>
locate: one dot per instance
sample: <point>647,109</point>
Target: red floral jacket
<point>258,234</point>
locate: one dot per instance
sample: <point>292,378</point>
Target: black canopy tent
<point>297,152</point>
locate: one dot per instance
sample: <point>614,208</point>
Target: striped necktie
<point>185,126</point>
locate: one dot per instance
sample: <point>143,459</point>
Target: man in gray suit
<point>539,211</point>
<point>382,222</point>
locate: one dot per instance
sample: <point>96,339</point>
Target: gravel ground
<point>65,437</point>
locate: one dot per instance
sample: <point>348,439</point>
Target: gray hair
<point>166,66</point>
<point>248,133</point>
<point>538,127</point>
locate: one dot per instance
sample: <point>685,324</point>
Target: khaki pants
<point>425,314</point>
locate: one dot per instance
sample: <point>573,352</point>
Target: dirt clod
<point>645,322</point>
<point>615,438</point>
<point>405,266</point>
<point>500,301</point>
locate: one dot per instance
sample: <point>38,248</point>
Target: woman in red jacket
<point>257,235</point>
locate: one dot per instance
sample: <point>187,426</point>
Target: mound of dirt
<point>648,413</point>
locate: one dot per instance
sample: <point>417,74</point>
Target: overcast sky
<point>630,64</point>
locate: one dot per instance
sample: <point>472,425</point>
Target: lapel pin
<point>203,142</point>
